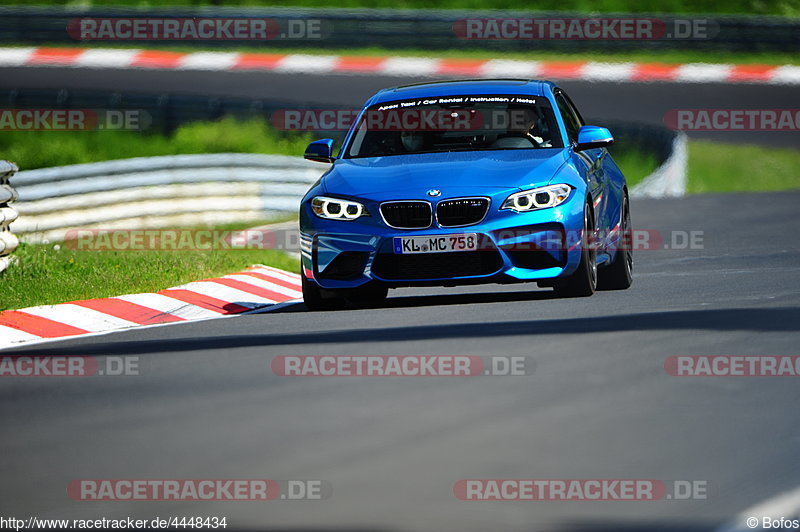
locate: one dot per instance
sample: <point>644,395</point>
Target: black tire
<point>619,274</point>
<point>582,282</point>
<point>316,298</point>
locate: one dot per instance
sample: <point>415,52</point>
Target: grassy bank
<point>45,274</point>
<point>635,165</point>
<point>716,167</point>
<point>39,149</point>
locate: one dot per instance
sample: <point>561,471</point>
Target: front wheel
<point>619,274</point>
<point>316,298</point>
<point>583,282</point>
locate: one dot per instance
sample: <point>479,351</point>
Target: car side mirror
<point>320,151</point>
<point>593,137</point>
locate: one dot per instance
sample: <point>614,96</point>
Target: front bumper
<point>514,247</point>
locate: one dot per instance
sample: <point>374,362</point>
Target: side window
<point>571,121</point>
<point>581,121</point>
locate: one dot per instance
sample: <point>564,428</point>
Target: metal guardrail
<point>423,29</point>
<point>150,192</point>
<point>8,242</point>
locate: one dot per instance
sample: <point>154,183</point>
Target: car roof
<point>528,87</point>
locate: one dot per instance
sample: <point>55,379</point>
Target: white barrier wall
<point>8,242</point>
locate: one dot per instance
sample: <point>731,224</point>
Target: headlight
<point>337,209</point>
<point>537,198</point>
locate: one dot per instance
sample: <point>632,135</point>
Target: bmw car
<point>465,182</point>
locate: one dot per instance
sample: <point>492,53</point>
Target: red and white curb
<point>399,66</point>
<point>257,287</point>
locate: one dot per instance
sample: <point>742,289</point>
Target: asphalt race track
<point>637,102</point>
<point>599,403</point>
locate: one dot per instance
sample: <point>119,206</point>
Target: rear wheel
<point>317,298</point>
<point>583,282</point>
<point>619,274</point>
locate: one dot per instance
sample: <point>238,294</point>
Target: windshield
<point>455,123</point>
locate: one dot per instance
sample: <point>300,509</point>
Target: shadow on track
<point>780,319</point>
<point>443,300</point>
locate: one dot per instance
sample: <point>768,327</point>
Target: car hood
<point>453,173</point>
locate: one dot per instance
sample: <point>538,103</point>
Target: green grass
<point>635,165</point>
<point>717,167</point>
<point>45,275</point>
<point>748,7</point>
<point>39,149</point>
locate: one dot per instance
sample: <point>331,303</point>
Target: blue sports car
<point>464,182</point>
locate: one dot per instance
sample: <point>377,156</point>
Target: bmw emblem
<point>434,192</point>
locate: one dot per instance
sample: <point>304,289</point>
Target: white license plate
<point>435,243</point>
